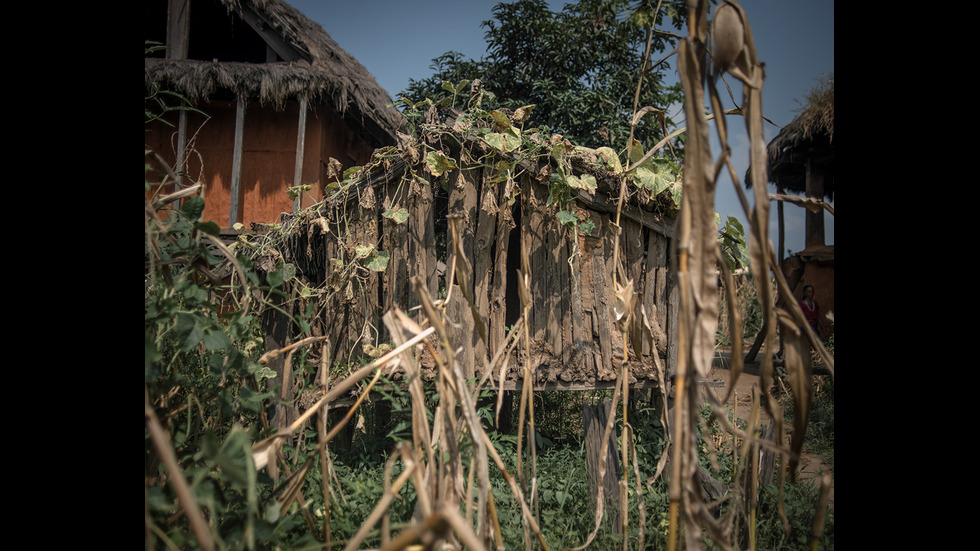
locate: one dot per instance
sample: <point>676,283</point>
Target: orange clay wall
<point>268,159</point>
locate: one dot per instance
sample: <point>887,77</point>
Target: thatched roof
<point>322,71</point>
<point>810,136</point>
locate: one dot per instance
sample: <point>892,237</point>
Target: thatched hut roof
<point>320,69</point>
<point>810,136</point>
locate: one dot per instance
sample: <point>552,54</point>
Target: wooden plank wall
<point>575,340</point>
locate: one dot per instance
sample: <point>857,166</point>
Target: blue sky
<point>397,40</point>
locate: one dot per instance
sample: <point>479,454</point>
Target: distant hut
<point>801,161</point>
<point>279,98</point>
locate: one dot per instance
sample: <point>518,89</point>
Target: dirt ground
<point>811,466</point>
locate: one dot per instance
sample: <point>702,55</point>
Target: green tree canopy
<point>579,67</point>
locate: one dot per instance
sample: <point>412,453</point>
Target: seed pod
<point>727,36</point>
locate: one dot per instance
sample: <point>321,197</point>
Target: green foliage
<point>820,421</point>
<point>798,501</point>
<point>202,380</point>
<point>578,66</point>
<point>731,238</point>
<point>157,102</point>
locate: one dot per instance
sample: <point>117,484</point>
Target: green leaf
<point>454,90</point>
<point>189,331</point>
<point>567,218</point>
<point>362,251</point>
<point>398,216</point>
<point>585,181</point>
<point>501,171</point>
<point>676,190</point>
<point>209,228</point>
<point>193,208</point>
<point>503,122</point>
<point>503,141</point>
<point>438,163</point>
<point>275,278</point>
<point>657,175</point>
<point>151,357</point>
<point>378,262</point>
<point>216,340</point>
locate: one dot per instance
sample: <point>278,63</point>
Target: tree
<point>579,67</point>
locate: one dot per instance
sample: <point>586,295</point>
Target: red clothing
<point>810,312</point>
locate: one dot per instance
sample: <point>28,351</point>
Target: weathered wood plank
<point>498,285</point>
<point>482,257</point>
<point>535,224</point>
<point>633,242</point>
<point>463,195</point>
<point>601,261</point>
<point>397,279</point>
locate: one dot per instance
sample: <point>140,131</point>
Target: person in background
<point>811,310</point>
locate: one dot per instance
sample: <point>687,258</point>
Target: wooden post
<point>781,249</point>
<point>181,154</point>
<point>178,28</point>
<point>300,148</point>
<point>275,328</point>
<point>814,220</point>
<point>594,419</point>
<point>236,164</point>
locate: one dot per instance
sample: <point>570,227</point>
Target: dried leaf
<point>334,169</point>
<point>368,200</point>
<point>643,112</point>
<point>523,113</point>
<point>406,145</point>
<point>610,158</point>
<point>625,298</point>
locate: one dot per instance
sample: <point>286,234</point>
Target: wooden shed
<point>275,96</point>
<point>385,234</point>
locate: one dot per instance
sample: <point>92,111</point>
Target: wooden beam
<point>236,164</point>
<point>272,39</point>
<point>602,203</point>
<point>300,148</point>
<point>178,28</point>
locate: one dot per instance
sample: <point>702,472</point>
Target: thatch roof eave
<point>809,138</point>
<point>323,72</point>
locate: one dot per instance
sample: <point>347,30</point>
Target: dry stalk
<point>322,435</point>
<point>162,443</point>
<point>466,405</point>
<point>390,494</point>
<point>264,451</point>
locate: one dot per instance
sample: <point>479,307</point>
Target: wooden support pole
<point>181,146</point>
<point>300,148</point>
<point>236,164</point>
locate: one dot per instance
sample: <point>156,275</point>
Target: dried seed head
<point>727,37</point>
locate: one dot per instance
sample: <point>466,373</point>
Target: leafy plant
<point>578,67</point>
